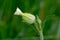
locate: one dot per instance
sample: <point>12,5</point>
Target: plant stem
<point>41,34</point>
<point>39,30</point>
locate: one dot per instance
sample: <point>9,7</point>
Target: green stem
<point>39,30</point>
<point>41,34</point>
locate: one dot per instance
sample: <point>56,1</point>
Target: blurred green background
<point>12,27</point>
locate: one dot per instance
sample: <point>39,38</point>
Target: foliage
<point>12,27</point>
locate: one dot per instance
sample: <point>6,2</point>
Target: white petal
<point>18,12</point>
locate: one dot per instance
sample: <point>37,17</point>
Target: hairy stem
<point>41,34</point>
<point>39,29</point>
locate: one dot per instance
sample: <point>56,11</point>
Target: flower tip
<point>18,12</point>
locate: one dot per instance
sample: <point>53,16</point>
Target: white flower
<point>28,18</point>
<point>18,12</point>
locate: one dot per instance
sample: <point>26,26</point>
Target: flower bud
<point>28,18</point>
